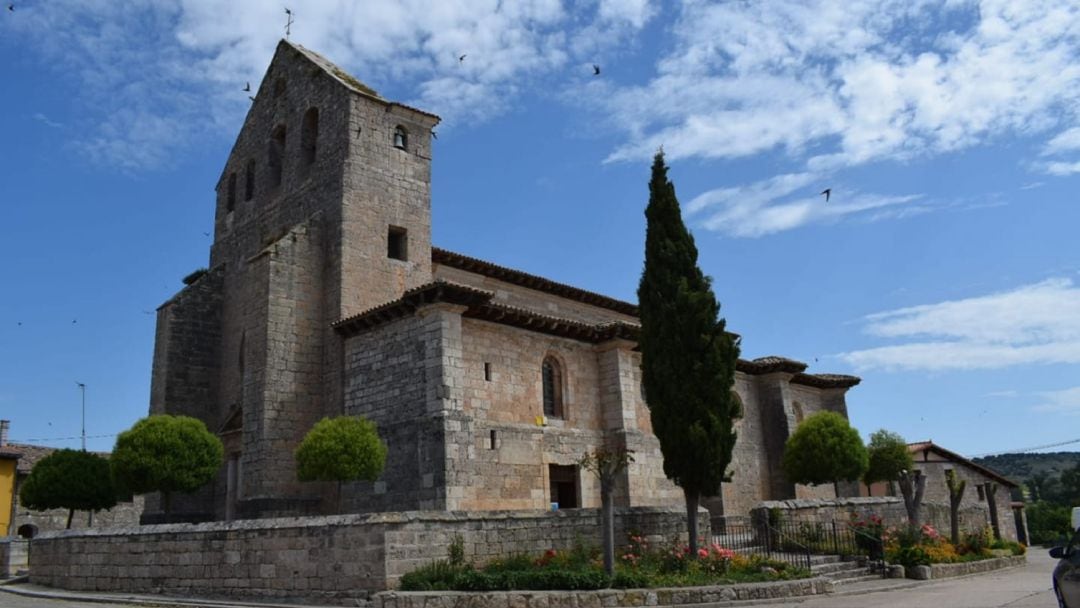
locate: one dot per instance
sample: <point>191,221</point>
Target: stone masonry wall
<point>973,501</point>
<point>530,299</point>
<point>326,559</point>
<point>390,372</point>
<point>890,509</point>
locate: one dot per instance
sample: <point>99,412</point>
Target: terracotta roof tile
<point>532,281</point>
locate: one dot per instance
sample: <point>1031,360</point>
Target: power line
<point>1021,451</point>
<point>60,438</point>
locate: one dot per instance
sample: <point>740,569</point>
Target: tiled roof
<point>826,380</point>
<point>28,455</point>
<point>348,79</point>
<point>921,446</point>
<point>532,281</point>
<point>479,306</point>
<point>768,365</point>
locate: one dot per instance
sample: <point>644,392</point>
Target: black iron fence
<point>796,542</point>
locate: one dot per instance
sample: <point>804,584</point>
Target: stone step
<point>847,574</point>
<point>856,579</point>
<point>838,567</point>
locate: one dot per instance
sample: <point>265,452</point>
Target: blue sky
<point>944,270</point>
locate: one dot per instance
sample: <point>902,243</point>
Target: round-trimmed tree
<point>69,479</point>
<point>345,448</point>
<point>889,456</point>
<point>824,449</point>
<point>167,454</point>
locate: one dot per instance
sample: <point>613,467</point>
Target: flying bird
<point>74,321</point>
<point>434,135</point>
<point>206,234</point>
<point>11,7</point>
<point>462,58</point>
<point>595,70</point>
<point>251,98</point>
<point>827,192</point>
<point>247,88</point>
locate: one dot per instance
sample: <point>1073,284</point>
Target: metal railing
<point>794,542</point>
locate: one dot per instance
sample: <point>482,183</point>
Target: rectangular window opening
<point>564,486</point>
<point>493,440</point>
<point>487,373</point>
<point>397,244</point>
<point>982,492</point>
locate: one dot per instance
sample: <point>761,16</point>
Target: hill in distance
<point>1021,467</point>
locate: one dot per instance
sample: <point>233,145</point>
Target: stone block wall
<point>13,556</point>
<point>890,509</point>
<point>326,559</point>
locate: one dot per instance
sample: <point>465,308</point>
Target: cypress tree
<point>687,358</point>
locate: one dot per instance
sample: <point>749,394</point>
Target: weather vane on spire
<point>288,24</point>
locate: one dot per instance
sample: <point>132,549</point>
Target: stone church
<point>324,296</point>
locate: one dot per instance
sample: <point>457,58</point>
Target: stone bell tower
<point>323,211</point>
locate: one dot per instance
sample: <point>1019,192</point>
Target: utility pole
<point>82,387</point>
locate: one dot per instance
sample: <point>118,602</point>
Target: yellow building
<point>7,492</point>
<point>9,460</point>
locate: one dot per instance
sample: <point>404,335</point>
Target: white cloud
<point>754,210</point>
<point>45,120</point>
<point>1065,401</point>
<point>839,84</point>
<point>151,73</point>
<point>1033,324</point>
<point>1066,141</point>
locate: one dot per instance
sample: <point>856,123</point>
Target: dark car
<point>1067,573</point>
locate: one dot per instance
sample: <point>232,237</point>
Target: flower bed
<point>923,546</point>
<point>639,566</point>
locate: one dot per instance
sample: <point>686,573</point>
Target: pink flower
<point>703,553</point>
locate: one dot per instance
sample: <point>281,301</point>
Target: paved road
<point>1027,587</point>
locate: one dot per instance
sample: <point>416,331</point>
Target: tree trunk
<point>71,514</point>
<point>607,524</point>
<point>991,501</point>
<point>912,491</point>
<point>956,494</point>
<point>692,499</point>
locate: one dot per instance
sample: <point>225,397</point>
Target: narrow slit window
<point>551,374</point>
<point>493,439</point>
<point>230,200</point>
<point>277,151</point>
<point>397,243</point>
<point>249,180</point>
<point>487,372</point>
<point>309,136</point>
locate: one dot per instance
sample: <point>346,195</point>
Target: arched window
<point>309,135</point>
<point>230,197</point>
<point>27,531</point>
<point>249,180</point>
<point>401,138</point>
<point>551,373</point>
<point>277,151</point>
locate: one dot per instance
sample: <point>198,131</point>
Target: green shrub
<point>910,556</point>
<point>439,575</point>
<point>628,578</point>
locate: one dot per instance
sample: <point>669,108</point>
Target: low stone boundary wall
<point>13,556</point>
<point>608,598</point>
<point>889,508</point>
<point>984,565</point>
<point>329,559</point>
